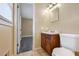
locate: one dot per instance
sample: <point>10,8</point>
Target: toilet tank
<point>70,41</point>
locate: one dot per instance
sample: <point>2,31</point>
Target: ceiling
<point>27,10</point>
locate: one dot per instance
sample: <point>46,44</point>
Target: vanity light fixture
<point>51,5</point>
<point>54,7</point>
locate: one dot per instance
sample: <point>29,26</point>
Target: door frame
<point>15,28</point>
<point>33,29</point>
<point>18,27</point>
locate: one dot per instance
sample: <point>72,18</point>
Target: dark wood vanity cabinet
<point>49,42</point>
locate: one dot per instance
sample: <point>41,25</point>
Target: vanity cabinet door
<point>55,41</point>
<point>48,47</point>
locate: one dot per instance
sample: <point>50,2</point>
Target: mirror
<point>54,15</point>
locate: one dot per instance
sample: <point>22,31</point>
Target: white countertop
<point>50,32</point>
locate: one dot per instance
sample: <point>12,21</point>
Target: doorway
<point>25,27</point>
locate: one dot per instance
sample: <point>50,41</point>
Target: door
<point>48,46</point>
<point>18,27</point>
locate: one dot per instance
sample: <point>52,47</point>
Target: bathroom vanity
<point>49,41</point>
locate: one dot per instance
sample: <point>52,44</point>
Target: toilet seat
<point>62,52</point>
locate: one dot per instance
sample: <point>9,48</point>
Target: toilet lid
<point>62,52</point>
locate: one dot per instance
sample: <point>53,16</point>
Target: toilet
<point>62,52</point>
<point>67,46</point>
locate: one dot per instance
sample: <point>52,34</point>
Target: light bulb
<point>50,5</point>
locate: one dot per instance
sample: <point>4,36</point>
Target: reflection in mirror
<point>54,15</point>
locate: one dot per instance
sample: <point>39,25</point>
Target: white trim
<point>33,29</point>
<point>15,28</point>
<point>27,36</point>
<point>18,27</point>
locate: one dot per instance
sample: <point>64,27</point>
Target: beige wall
<point>26,27</point>
<point>6,38</point>
<point>40,21</point>
<point>68,20</point>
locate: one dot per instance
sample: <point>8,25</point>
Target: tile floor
<point>39,52</point>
